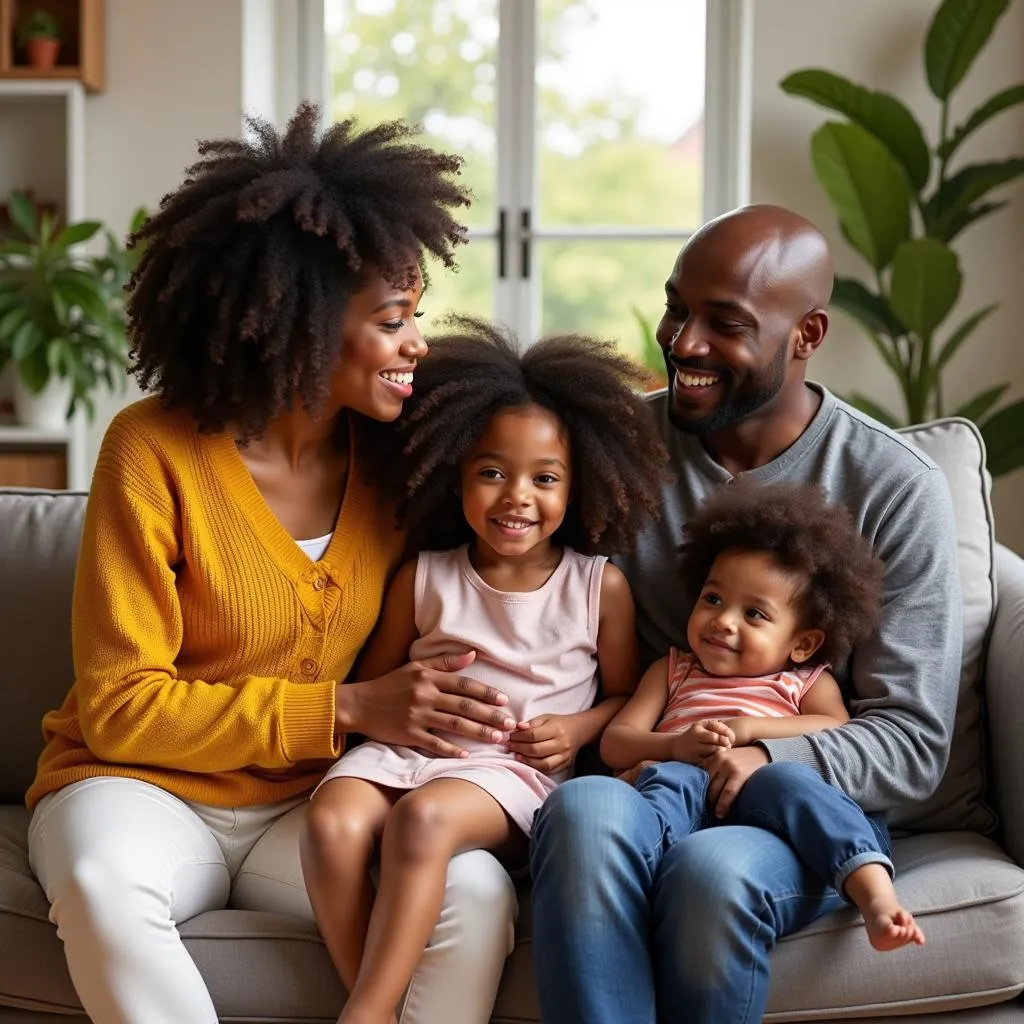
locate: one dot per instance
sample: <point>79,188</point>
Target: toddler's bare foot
<point>890,926</point>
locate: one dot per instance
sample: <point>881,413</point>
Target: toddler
<point>785,585</point>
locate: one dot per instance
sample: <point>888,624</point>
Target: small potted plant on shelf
<point>39,37</point>
<point>62,318</point>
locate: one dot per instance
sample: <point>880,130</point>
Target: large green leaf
<point>22,213</point>
<point>943,211</point>
<point>881,114</point>
<point>958,31</point>
<point>925,284</point>
<point>980,404</point>
<point>870,309</point>
<point>995,105</point>
<point>1004,439</point>
<point>960,335</point>
<point>73,234</point>
<point>866,187</point>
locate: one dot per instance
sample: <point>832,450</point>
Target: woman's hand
<point>406,705</point>
<point>548,743</point>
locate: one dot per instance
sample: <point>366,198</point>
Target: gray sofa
<point>958,874</point>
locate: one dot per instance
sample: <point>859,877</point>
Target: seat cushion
<point>967,895</point>
<point>960,800</point>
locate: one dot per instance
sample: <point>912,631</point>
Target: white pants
<point>123,861</point>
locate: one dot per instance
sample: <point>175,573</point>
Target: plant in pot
<point>39,37</point>
<point>62,318</point>
<point>901,204</point>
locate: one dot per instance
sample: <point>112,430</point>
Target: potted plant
<point>901,204</point>
<point>39,37</point>
<point>62,318</point>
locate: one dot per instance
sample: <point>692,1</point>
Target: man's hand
<point>702,740</point>
<point>547,743</point>
<point>729,771</point>
<point>406,706</point>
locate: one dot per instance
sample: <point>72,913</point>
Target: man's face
<point>726,342</point>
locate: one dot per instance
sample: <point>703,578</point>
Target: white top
<point>316,547</point>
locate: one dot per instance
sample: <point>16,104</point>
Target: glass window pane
<point>469,289</point>
<point>620,109</point>
<point>432,63</point>
<point>604,288</point>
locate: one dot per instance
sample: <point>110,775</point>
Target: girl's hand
<point>702,740</point>
<point>548,743</point>
<point>406,705</point>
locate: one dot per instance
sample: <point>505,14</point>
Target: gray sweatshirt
<point>901,684</point>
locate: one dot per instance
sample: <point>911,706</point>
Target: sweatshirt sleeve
<point>127,633</point>
<point>905,677</point>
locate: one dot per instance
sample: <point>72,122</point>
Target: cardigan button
<point>308,666</point>
<point>319,583</point>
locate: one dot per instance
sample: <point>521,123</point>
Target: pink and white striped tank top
<point>693,695</point>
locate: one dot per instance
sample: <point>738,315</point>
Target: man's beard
<point>752,395</point>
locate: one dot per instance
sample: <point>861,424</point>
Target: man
<point>617,940</point>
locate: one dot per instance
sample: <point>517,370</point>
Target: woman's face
<point>381,345</point>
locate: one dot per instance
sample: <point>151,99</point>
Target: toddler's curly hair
<point>237,302</point>
<point>477,370</point>
<point>839,578</point>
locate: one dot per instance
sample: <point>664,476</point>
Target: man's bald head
<point>745,308</point>
<point>771,250</point>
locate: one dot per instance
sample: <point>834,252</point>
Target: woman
<point>233,560</point>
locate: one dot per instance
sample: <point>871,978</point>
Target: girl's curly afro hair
<point>237,302</point>
<point>839,578</point>
<point>476,371</point>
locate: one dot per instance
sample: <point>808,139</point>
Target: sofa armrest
<point>1004,689</point>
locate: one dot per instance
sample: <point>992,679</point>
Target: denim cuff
<point>858,860</point>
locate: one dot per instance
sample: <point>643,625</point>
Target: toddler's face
<point>746,621</point>
<point>516,480</point>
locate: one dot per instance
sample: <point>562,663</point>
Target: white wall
<point>879,43</point>
<point>174,75</point>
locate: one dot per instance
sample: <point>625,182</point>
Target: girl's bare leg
<point>424,830</point>
<point>345,822</point>
<point>889,925</point>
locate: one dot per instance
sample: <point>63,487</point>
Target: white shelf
<point>42,125</point>
<point>14,433</point>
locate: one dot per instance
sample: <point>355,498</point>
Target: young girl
<point>787,586</point>
<point>517,465</point>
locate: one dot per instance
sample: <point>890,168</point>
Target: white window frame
<point>283,63</point>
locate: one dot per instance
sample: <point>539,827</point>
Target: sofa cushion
<point>956,445</point>
<point>965,892</point>
<point>38,548</point>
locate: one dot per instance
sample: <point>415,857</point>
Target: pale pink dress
<point>539,648</point>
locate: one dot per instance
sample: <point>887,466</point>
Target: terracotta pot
<point>42,52</point>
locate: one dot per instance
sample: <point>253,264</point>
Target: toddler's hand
<point>702,740</point>
<point>547,743</point>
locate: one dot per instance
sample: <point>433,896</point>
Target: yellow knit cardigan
<point>207,645</point>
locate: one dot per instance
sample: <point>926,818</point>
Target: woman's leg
<point>121,862</point>
<point>344,825</point>
<point>457,977</point>
<point>425,828</point>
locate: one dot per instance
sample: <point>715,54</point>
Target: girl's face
<point>380,347</point>
<point>746,621</point>
<point>516,481</point>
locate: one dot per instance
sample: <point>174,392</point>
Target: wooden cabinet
<point>39,458</point>
<point>81,56</point>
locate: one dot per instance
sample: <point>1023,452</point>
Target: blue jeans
<point>642,914</point>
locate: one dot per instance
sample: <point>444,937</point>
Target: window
<point>594,139</point>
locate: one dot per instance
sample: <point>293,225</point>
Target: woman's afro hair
<point>237,301</point>
<point>839,576</point>
<point>476,371</point>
